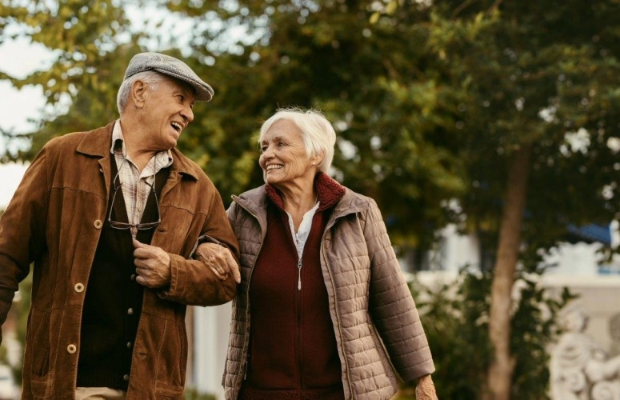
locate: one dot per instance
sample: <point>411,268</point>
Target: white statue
<point>580,368</point>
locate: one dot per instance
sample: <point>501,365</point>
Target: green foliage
<point>193,394</point>
<point>87,62</point>
<point>533,74</point>
<point>79,31</point>
<point>420,121</point>
<point>327,55</point>
<point>455,317</point>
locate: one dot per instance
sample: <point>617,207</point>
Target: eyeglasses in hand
<point>143,226</point>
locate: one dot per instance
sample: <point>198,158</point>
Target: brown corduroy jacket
<point>378,331</point>
<point>55,220</point>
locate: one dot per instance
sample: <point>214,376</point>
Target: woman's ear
<point>317,159</point>
<point>138,93</point>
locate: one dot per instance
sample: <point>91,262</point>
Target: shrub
<point>455,317</point>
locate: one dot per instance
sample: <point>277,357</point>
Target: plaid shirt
<point>136,184</point>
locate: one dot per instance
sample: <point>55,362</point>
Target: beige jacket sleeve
<point>391,305</point>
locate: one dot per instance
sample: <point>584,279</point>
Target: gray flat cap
<point>172,67</point>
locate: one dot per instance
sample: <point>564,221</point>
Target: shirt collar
<point>164,158</point>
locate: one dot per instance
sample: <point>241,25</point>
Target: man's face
<point>167,111</point>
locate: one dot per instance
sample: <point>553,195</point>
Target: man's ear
<point>138,93</point>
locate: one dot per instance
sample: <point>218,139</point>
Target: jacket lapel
<point>97,144</point>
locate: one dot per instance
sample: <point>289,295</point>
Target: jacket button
<point>126,377</point>
<point>130,311</point>
<point>133,277</point>
<point>78,287</point>
<point>71,348</point>
<point>129,345</point>
<point>98,224</point>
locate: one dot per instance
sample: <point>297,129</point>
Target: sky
<point>18,58</point>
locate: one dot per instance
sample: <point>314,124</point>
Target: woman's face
<point>283,158</point>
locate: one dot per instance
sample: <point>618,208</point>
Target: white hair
<point>317,132</point>
<point>151,78</point>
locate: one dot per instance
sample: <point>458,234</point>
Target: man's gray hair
<point>317,132</point>
<point>151,78</point>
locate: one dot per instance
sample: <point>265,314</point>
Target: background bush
<point>455,318</point>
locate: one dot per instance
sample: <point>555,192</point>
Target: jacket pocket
<point>40,342</point>
<point>172,360</point>
<point>39,389</point>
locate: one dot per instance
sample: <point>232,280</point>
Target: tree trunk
<point>502,365</point>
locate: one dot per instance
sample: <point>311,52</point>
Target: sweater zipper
<point>300,363</point>
<point>299,275</point>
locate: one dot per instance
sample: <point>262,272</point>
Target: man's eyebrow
<point>185,89</point>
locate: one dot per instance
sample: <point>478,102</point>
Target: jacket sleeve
<point>22,230</point>
<point>391,305</point>
<point>192,282</point>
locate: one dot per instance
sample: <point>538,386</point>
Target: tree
<point>363,75</point>
<point>326,55</point>
<point>533,78</point>
<point>83,36</point>
<point>456,319</point>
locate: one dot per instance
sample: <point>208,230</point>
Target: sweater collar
<point>329,192</point>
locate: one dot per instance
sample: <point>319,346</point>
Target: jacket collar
<point>349,202</point>
<point>97,144</point>
<point>328,191</point>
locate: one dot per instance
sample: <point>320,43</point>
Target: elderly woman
<point>323,311</point>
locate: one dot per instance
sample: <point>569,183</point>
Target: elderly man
<point>110,218</point>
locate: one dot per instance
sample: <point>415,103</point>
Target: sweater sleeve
<point>391,305</point>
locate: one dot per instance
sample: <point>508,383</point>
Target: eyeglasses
<point>143,226</point>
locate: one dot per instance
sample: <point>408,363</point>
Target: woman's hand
<point>220,260</point>
<point>425,389</point>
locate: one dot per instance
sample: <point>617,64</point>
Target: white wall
<point>460,250</point>
<point>575,259</point>
<point>210,343</point>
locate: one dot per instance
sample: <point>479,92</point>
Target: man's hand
<point>152,265</point>
<point>220,260</point>
<point>425,389</point>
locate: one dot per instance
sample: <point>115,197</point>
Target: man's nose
<point>188,114</point>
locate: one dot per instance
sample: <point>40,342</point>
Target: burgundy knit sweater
<point>293,352</point>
